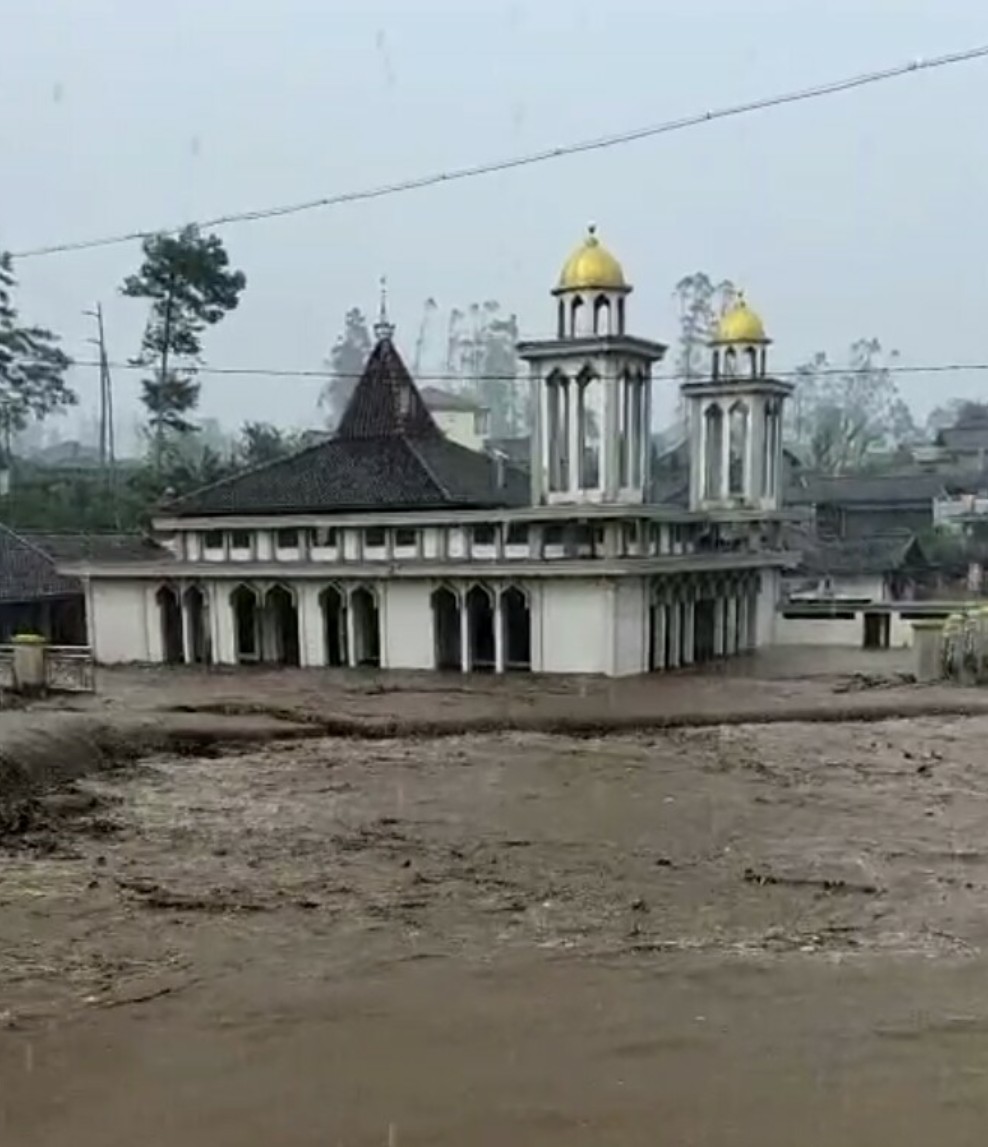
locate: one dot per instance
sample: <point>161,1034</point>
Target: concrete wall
<point>576,626</point>
<point>123,622</point>
<point>630,627</point>
<point>406,619</point>
<point>819,631</point>
<point>766,625</point>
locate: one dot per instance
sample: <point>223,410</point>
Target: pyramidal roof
<point>387,454</point>
<point>386,403</point>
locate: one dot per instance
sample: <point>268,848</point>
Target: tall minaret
<point>735,419</point>
<point>591,387</point>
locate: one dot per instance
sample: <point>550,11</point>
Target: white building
<point>391,545</point>
<point>459,417</point>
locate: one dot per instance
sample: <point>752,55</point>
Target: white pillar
<point>742,601</point>
<point>188,642</point>
<point>725,454</point>
<point>351,633</point>
<point>752,619</point>
<point>732,626</point>
<point>689,631</point>
<point>674,632</point>
<point>573,427</point>
<point>498,634</point>
<point>464,635</point>
<point>718,627</point>
<point>658,636</point>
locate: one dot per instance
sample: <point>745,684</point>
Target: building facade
<point>393,546</point>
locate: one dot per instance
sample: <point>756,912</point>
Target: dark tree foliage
<point>32,366</point>
<point>347,360</point>
<point>188,280</point>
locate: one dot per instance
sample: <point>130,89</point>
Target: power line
<point>601,143</point>
<point>330,375</point>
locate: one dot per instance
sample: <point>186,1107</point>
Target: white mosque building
<point>393,546</point>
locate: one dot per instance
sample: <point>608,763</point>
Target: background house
<point>459,417</point>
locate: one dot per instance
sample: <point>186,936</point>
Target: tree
<point>701,302</point>
<point>32,366</point>
<point>188,280</point>
<point>347,360</point>
<point>260,443</point>
<point>841,417</point>
<point>481,354</point>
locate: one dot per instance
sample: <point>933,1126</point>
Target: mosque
<point>390,545</point>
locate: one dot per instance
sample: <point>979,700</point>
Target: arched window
<point>602,316</point>
<point>590,413</point>
<point>557,430</point>
<point>737,449</point>
<point>576,316</point>
<point>713,451</point>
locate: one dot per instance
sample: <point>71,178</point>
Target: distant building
<point>458,416</point>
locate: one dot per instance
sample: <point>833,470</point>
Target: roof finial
<point>592,235</point>
<point>383,328</point>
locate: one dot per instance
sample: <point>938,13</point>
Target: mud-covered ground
<point>750,935</point>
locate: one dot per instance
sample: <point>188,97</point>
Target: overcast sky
<point>858,215</point>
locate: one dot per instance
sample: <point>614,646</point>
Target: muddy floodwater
<point>767,935</point>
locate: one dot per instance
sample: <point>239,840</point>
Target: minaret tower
<point>735,419</point>
<point>591,387</point>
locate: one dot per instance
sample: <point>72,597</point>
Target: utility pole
<point>107,438</point>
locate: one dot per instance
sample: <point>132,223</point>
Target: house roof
<point>387,454</point>
<point>28,561</point>
<point>969,436</point>
<point>879,554</point>
<point>436,399</point>
<point>913,487</point>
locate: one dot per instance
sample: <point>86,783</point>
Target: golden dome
<point>740,324</point>
<point>592,267</point>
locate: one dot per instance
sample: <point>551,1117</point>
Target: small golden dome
<point>740,324</point>
<point>592,267</point>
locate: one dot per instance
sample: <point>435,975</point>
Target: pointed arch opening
<point>480,629</point>
<point>602,316</point>
<point>197,618</point>
<point>590,415</point>
<point>557,430</point>
<point>620,315</point>
<point>170,619</point>
<point>281,634</point>
<point>447,629</point>
<point>246,625</point>
<point>576,310</point>
<point>730,363</point>
<point>751,354</point>
<point>713,420</point>
<point>738,429</point>
<point>516,622</point>
<point>332,603</point>
<point>366,628</point>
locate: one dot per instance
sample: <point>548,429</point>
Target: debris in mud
<point>822,884</point>
<point>864,681</point>
<point>151,895</point>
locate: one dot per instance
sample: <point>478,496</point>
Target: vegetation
<point>32,366</point>
<point>187,279</point>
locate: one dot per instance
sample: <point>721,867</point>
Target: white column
<point>731,646</point>
<point>742,601</point>
<point>659,636</point>
<point>725,454</point>
<point>188,644</point>
<point>718,627</point>
<point>689,632</point>
<point>464,635</point>
<point>674,632</point>
<point>573,429</point>
<point>498,634</point>
<point>752,619</point>
<point>351,633</point>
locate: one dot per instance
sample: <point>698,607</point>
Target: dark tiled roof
<point>883,489</point>
<point>388,454</point>
<point>386,403</point>
<point>27,572</point>
<point>972,436</point>
<point>29,562</point>
<point>879,554</point>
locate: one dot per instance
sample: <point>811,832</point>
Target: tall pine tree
<point>32,366</point>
